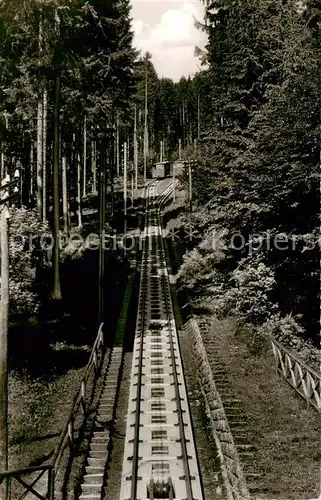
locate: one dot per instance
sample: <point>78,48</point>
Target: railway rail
<point>160,458</point>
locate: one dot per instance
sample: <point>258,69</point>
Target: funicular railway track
<point>160,458</point>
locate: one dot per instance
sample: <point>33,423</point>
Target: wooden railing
<point>305,380</point>
<point>41,482</point>
<point>26,479</point>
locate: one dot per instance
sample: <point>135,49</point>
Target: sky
<point>166,29</point>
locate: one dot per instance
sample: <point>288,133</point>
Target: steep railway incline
<point>160,457</point>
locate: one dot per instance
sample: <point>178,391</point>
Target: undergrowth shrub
<point>26,258</point>
<point>256,342</point>
<point>248,297</point>
<point>282,328</point>
<point>245,292</point>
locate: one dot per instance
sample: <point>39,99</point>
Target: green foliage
<point>26,258</point>
<point>88,44</point>
<point>195,271</point>
<point>282,328</point>
<point>258,163</point>
<point>245,293</point>
<point>249,295</point>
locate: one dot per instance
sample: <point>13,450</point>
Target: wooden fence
<point>40,482</point>
<point>305,380</point>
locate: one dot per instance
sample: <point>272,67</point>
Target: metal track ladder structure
<point>160,458</point>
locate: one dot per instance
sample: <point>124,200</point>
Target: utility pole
<point>102,208</point>
<point>4,333</point>
<point>198,118</point>
<point>84,191</point>
<point>125,188</point>
<point>117,146</point>
<point>190,184</point>
<point>4,318</point>
<point>135,148</point>
<point>183,123</point>
<point>44,156</point>
<point>145,127</point>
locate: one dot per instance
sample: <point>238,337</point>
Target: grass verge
<point>286,431</point>
<point>37,413</point>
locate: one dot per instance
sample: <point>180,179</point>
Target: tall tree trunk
<point>65,195</point>
<point>94,166</point>
<point>3,159</point>
<point>39,154</point>
<point>31,169</point>
<point>4,306</point>
<point>44,155</point>
<point>79,200</point>
<point>135,148</point>
<point>183,124</point>
<point>117,147</point>
<point>85,160</point>
<point>110,153</point>
<point>125,188</point>
<point>102,209</point>
<point>56,291</point>
<point>40,131</point>
<point>128,150</point>
<point>198,118</point>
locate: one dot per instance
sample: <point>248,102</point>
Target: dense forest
<point>257,182</point>
<point>73,90</point>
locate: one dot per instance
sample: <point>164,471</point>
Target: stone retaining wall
<point>233,477</point>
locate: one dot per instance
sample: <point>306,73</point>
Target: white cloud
<point>172,40</point>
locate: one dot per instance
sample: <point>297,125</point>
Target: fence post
<point>102,338</point>
<point>51,484</point>
<point>95,363</point>
<point>83,396</point>
<point>9,487</point>
<point>71,432</point>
